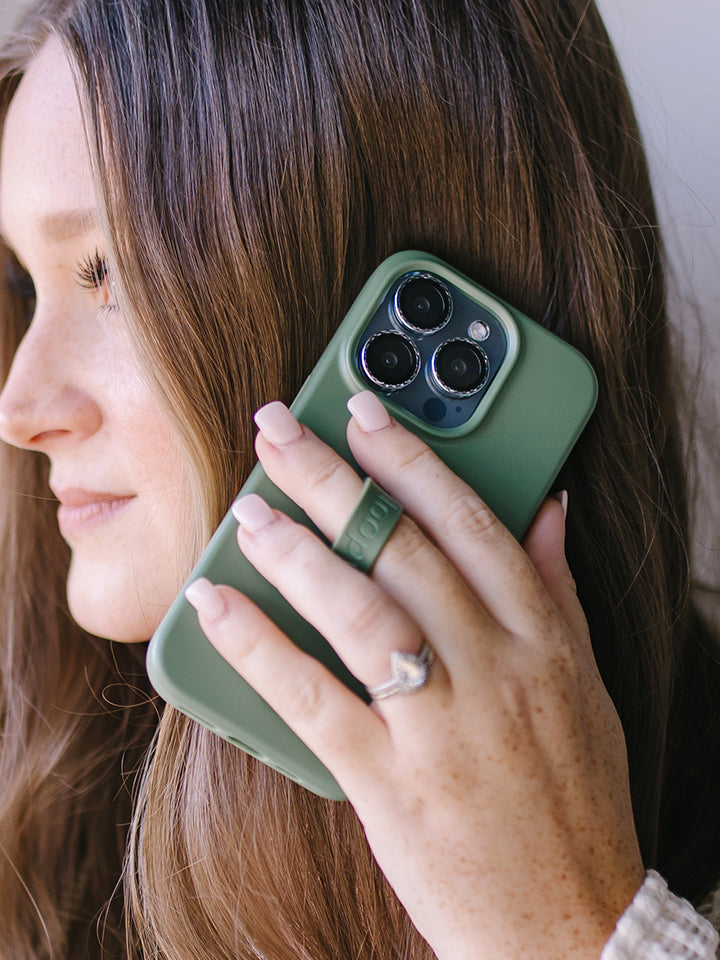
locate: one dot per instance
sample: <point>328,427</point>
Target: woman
<point>246,166</point>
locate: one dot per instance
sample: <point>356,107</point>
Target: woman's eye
<point>92,271</point>
<point>93,274</point>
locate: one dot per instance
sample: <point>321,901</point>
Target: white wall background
<point>670,52</point>
<point>671,55</point>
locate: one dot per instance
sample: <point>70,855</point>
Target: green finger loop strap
<point>368,529</point>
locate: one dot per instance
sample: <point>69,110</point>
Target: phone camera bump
<point>390,360</point>
<point>422,303</point>
<point>459,368</point>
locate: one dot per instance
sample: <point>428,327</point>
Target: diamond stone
<point>409,670</point>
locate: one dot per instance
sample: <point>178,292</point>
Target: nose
<point>43,402</point>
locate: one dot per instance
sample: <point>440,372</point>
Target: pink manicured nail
<point>277,424</point>
<point>562,498</point>
<point>369,412</point>
<point>206,599</point>
<point>252,513</point>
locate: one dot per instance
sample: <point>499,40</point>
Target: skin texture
<point>500,789</point>
<point>75,391</point>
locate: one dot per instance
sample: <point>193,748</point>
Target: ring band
<point>410,672</point>
<point>367,531</point>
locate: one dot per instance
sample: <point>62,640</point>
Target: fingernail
<point>371,415</point>
<point>206,599</point>
<point>252,513</point>
<point>562,498</point>
<point>277,424</point>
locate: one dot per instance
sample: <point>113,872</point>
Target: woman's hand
<point>496,798</point>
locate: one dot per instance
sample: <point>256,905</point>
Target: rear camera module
<point>390,360</point>
<point>459,368</point>
<point>422,304</point>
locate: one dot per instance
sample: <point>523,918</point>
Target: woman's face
<point>75,391</point>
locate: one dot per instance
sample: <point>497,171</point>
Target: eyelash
<point>93,274</point>
<point>92,271</point>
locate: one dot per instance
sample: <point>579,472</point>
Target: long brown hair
<point>257,160</point>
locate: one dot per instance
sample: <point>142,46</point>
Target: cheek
<point>124,576</point>
<point>121,584</point>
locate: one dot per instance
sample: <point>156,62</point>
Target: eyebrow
<point>62,225</point>
<point>67,224</point>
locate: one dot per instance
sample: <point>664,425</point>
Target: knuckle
<point>305,699</point>
<point>241,633</point>
<point>405,544</point>
<point>322,474</point>
<point>247,642</point>
<point>297,550</point>
<point>469,518</point>
<point>367,614</point>
<point>420,460</point>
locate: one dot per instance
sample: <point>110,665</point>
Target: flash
<point>479,330</point>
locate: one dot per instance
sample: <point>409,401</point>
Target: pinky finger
<point>346,736</point>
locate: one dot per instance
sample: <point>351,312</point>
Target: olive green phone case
<point>510,451</point>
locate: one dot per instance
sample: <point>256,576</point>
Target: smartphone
<point>499,398</point>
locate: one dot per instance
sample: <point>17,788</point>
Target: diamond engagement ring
<point>410,673</point>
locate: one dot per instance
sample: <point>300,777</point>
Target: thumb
<point>544,543</point>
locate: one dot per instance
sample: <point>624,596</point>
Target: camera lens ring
<point>412,360</point>
<point>440,381</point>
<point>406,316</point>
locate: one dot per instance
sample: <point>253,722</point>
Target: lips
<point>81,510</point>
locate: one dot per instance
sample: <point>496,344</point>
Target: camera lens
<point>423,304</point>
<point>390,360</point>
<point>459,368</point>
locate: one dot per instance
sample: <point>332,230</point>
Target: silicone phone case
<point>510,452</point>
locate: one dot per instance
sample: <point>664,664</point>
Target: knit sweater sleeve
<point>660,926</point>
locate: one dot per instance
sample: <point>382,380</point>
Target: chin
<point>96,619</point>
<point>112,608</point>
